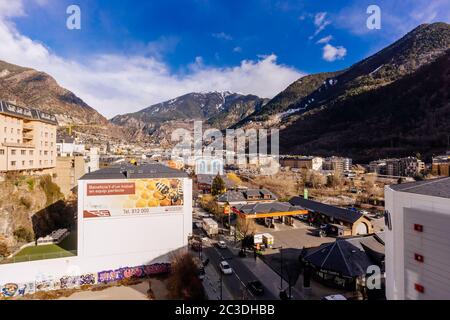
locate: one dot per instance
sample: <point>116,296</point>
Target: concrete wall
<point>402,271</point>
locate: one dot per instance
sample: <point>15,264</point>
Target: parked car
<point>222,244</point>
<point>225,267</point>
<point>256,288</point>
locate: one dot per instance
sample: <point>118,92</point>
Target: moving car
<point>201,273</point>
<point>225,267</point>
<point>334,297</point>
<point>256,288</point>
<point>222,244</point>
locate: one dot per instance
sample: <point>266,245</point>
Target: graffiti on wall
<point>133,272</point>
<point>47,282</point>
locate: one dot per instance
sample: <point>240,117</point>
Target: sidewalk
<point>211,283</point>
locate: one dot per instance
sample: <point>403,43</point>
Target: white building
<point>418,240</point>
<point>66,147</point>
<point>128,217</point>
<point>92,160</point>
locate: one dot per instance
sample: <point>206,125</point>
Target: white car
<point>225,267</point>
<point>334,297</point>
<point>222,244</point>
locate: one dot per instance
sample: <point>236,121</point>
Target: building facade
<point>27,139</point>
<point>337,164</point>
<point>440,165</point>
<point>417,240</point>
<point>130,219</point>
<point>67,172</point>
<point>314,163</point>
<point>401,167</point>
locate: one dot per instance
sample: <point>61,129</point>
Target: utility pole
<point>281,272</point>
<point>221,285</point>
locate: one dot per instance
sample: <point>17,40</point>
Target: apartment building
<point>417,251</point>
<point>314,163</point>
<point>337,164</point>
<point>398,167</point>
<point>441,165</point>
<point>27,139</point>
<point>67,172</point>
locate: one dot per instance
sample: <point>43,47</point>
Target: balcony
<point>27,127</point>
<point>28,136</point>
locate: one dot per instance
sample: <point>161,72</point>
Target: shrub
<point>52,190</point>
<point>4,249</point>
<point>25,202</point>
<point>23,234</point>
<point>31,183</point>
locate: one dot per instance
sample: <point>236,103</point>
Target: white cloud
<point>10,8</point>
<point>237,49</point>
<point>397,17</point>
<point>116,84</point>
<point>331,53</point>
<point>321,22</point>
<point>325,39</point>
<point>222,36</point>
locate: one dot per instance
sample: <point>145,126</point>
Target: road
<point>235,283</point>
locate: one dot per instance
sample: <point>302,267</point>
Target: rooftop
<point>331,211</point>
<point>436,187</point>
<point>268,207</point>
<point>241,195</point>
<point>26,113</point>
<point>349,257</point>
<point>127,171</point>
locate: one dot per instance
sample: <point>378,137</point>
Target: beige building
<point>67,172</point>
<point>27,139</point>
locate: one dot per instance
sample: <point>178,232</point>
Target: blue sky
<point>130,54</point>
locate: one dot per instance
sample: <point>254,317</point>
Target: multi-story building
<point>67,146</point>
<point>27,139</point>
<point>337,164</point>
<point>314,163</point>
<point>417,240</point>
<point>440,165</point>
<point>67,172</point>
<point>401,167</point>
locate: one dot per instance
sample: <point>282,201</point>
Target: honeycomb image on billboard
<point>138,197</point>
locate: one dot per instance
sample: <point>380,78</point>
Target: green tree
<point>218,186</point>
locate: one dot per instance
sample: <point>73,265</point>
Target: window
<point>31,162</point>
<point>23,152</point>
<point>45,153</point>
<point>2,152</point>
<point>18,131</point>
<point>31,152</point>
<point>46,143</point>
<point>13,163</point>
<point>23,163</point>
<point>12,130</point>
<point>18,140</point>
<point>13,152</point>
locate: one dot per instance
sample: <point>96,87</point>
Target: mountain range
<point>392,103</point>
<point>217,109</point>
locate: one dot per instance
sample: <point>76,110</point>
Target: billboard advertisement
<point>132,197</point>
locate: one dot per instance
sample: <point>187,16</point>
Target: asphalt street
<point>236,283</point>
